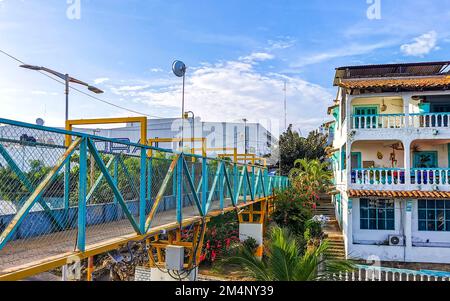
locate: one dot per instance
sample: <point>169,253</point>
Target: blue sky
<point>239,54</point>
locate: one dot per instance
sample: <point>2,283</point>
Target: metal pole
<point>285,105</point>
<point>193,132</point>
<point>67,96</point>
<point>182,115</point>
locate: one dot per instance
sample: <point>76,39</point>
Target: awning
<point>398,194</point>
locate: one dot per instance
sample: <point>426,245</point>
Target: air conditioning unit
<point>396,240</point>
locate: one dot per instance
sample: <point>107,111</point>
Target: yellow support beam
<point>152,141</point>
<point>95,121</point>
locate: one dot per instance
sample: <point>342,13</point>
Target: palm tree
<point>285,261</point>
<point>311,175</point>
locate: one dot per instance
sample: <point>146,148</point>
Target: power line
<point>82,92</point>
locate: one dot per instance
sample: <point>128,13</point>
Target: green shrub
<point>292,210</point>
<point>313,230</point>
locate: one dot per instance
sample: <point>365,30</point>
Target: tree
<point>311,176</point>
<point>293,147</point>
<point>285,260</point>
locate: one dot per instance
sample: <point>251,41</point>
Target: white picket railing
<point>378,176</point>
<point>390,121</point>
<point>374,273</point>
<point>430,176</point>
<point>429,120</point>
<point>379,121</point>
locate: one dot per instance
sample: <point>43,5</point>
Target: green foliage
<point>250,244</point>
<point>293,146</point>
<point>311,177</point>
<point>292,210</point>
<point>285,260</point>
<point>313,231</point>
<point>221,236</point>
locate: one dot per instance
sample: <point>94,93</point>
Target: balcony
<point>397,121</point>
<point>387,178</point>
<point>385,165</point>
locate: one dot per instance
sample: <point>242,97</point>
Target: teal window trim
<point>434,162</point>
<point>343,159</point>
<point>358,154</point>
<point>433,215</point>
<point>378,215</point>
<point>366,107</point>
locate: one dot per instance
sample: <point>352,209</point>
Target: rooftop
<point>392,70</point>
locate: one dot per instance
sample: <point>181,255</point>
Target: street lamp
<point>245,134</point>
<point>67,79</point>
<point>186,115</point>
<point>179,69</point>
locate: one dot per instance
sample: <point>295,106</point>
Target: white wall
<point>369,152</point>
<point>363,244</point>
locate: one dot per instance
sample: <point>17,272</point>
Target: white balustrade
<point>430,176</point>
<point>395,121</point>
<point>378,176</point>
<point>372,273</point>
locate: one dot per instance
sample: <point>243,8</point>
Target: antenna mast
<point>285,104</point>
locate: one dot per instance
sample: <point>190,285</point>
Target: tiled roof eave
<point>398,194</point>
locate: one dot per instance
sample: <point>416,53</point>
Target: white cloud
<point>346,51</point>
<point>257,56</point>
<point>422,45</point>
<point>156,70</point>
<point>283,43</point>
<point>231,90</point>
<point>101,80</point>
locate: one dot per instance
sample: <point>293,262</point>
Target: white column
<point>407,146</point>
<point>406,99</point>
<point>349,226</point>
<point>408,228</point>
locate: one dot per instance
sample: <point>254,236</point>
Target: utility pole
<point>245,135</point>
<point>285,104</point>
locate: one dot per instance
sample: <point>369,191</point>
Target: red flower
<point>202,257</point>
<point>208,246</point>
<point>213,255</point>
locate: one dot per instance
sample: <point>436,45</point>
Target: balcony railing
<point>398,176</point>
<point>379,121</point>
<point>395,121</point>
<point>378,176</point>
<point>433,176</point>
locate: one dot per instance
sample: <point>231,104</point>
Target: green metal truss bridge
<point>60,201</point>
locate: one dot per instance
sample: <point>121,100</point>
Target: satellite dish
<point>179,68</point>
<point>40,121</point>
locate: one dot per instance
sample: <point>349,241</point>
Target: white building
<point>253,136</point>
<point>391,159</point>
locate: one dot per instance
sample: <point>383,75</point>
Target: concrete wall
<point>369,152</point>
<point>394,105</point>
<point>365,244</point>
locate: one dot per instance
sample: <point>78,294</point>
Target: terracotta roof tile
<point>399,194</point>
<point>408,82</point>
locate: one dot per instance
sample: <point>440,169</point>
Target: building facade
<point>391,161</point>
<point>253,137</point>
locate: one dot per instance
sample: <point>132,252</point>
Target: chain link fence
<point>44,211</point>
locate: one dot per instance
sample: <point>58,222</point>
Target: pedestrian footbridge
<point>66,195</point>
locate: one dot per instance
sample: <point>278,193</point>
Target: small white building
<point>391,160</point>
<point>251,136</point>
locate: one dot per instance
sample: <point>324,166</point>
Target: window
<point>377,214</point>
<point>434,215</point>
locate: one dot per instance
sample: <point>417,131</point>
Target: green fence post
<point>82,188</point>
